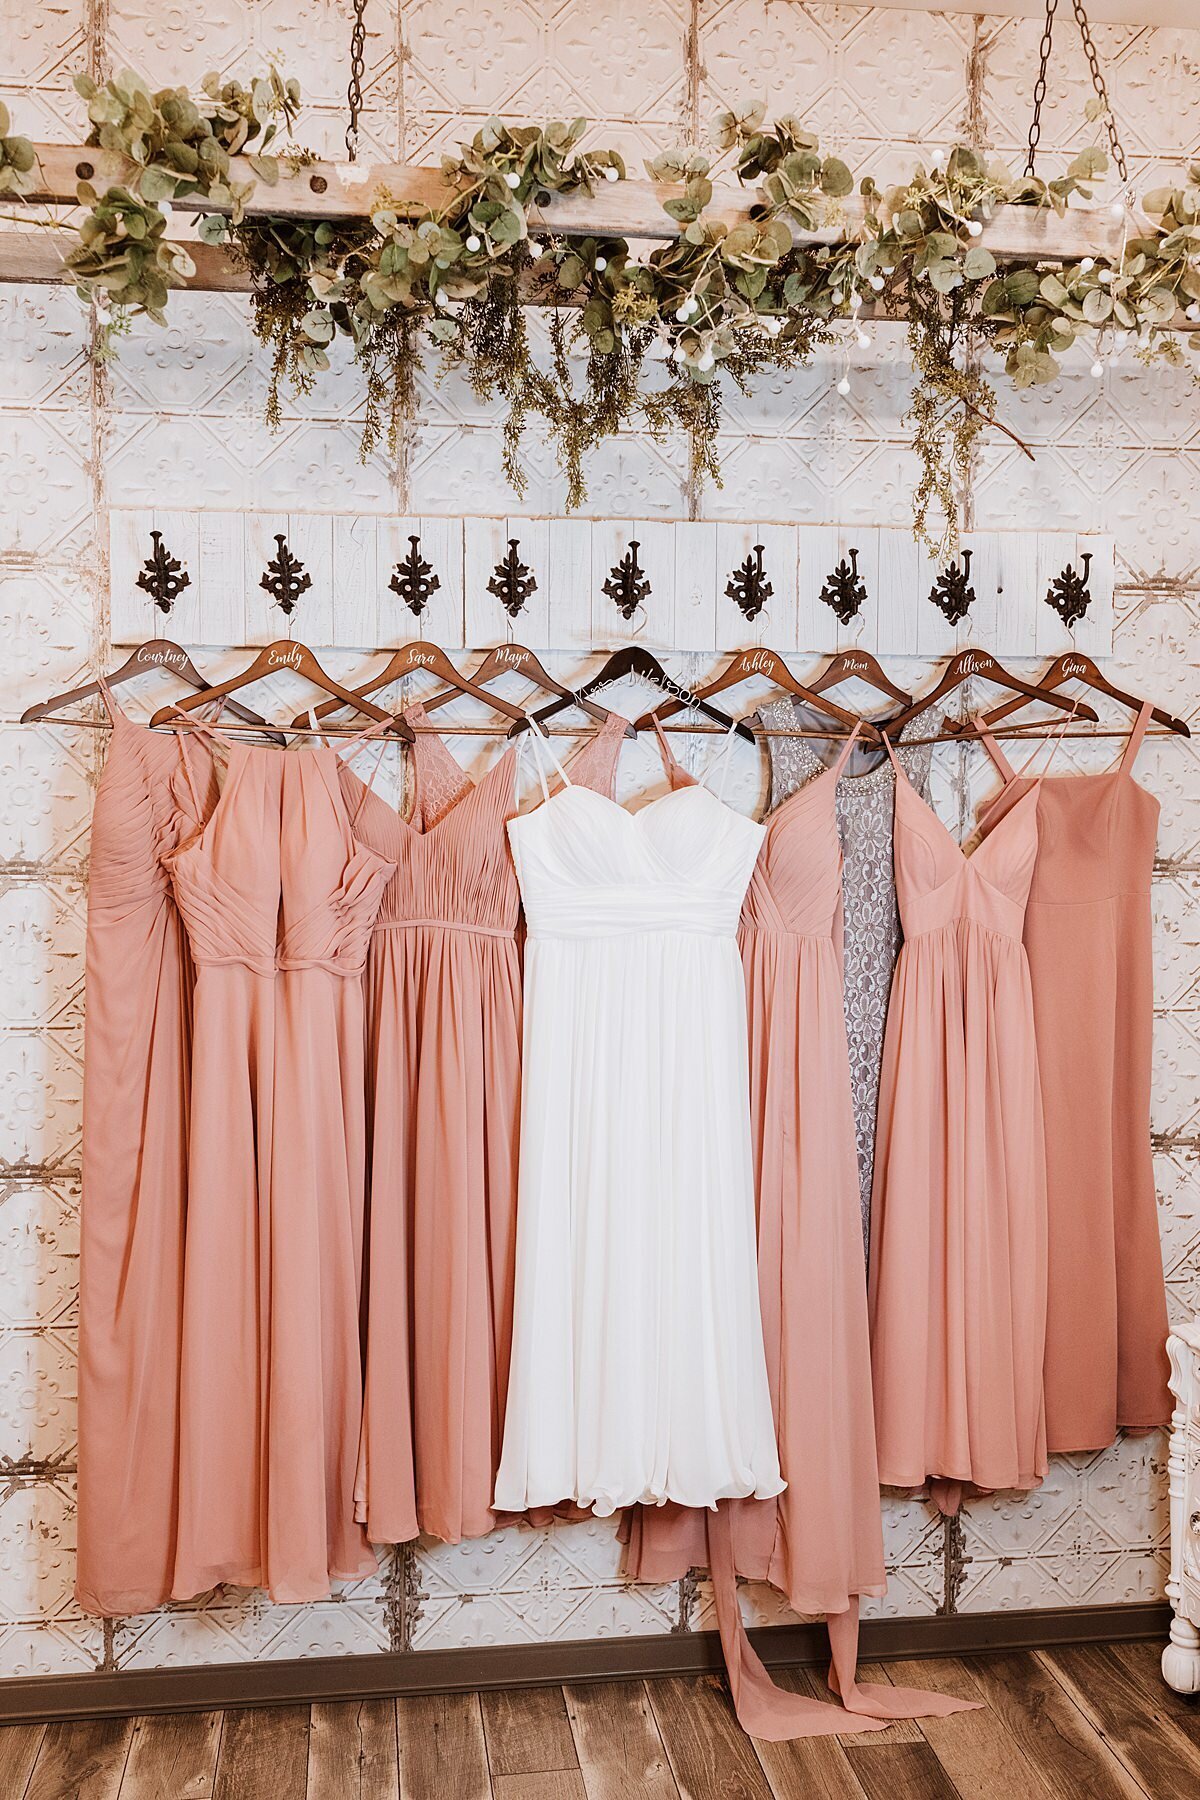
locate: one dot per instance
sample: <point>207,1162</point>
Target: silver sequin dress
<point>871,922</point>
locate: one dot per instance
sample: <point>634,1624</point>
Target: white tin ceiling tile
<point>44,479</point>
<point>310,40</point>
<point>42,931</point>
<point>46,623</point>
<point>65,1647</point>
<point>37,1395</point>
<point>43,45</point>
<point>202,360</point>
<point>37,1553</point>
<point>166,45</point>
<point>1175,1102</point>
<point>43,339</point>
<point>49,786</point>
<point>39,1253</point>
<point>41,1097</point>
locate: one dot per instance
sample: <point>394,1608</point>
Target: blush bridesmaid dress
<point>1088,935</point>
<point>279,897</point>
<point>444,1075</point>
<point>958,1213</point>
<point>134,1204</point>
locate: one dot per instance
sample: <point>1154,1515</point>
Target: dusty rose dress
<point>958,1213</point>
<point>135,1123</point>
<point>820,1541</point>
<point>1088,936</point>
<point>279,897</point>
<point>444,1071</point>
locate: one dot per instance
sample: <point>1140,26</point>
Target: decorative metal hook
<point>748,586</point>
<point>413,579</point>
<point>844,590</point>
<point>162,575</point>
<point>952,592</point>
<point>1069,594</point>
<point>512,582</point>
<point>628,586</point>
<point>286,578</point>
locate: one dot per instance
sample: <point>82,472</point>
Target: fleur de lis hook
<point>628,586</point>
<point>1069,593</point>
<point>512,581</point>
<point>748,586</point>
<point>162,575</point>
<point>845,590</point>
<point>952,592</point>
<point>413,579</point>
<point>286,578</point>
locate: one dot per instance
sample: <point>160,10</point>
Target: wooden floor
<point>1090,1723</point>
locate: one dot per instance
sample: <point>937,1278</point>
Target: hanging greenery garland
<point>635,338</point>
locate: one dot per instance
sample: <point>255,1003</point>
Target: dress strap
<point>1131,749</point>
<point>540,736</point>
<point>1054,739</point>
<point>846,750</point>
<point>671,763</point>
<point>106,694</point>
<point>720,761</point>
<point>1007,772</point>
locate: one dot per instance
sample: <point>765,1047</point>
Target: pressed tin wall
<point>177,420</point>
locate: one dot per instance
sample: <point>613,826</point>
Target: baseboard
<point>269,1683</point>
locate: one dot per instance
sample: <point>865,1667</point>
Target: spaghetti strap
<point>669,759</point>
<point>110,705</point>
<point>892,757</point>
<point>540,735</point>
<point>720,758</point>
<point>847,747</point>
<point>1129,754</point>
<point>1007,772</point>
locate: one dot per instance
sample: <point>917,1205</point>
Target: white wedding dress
<point>638,1371</point>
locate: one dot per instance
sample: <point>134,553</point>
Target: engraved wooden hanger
<point>406,661</point>
<point>858,665</point>
<point>983,665</point>
<point>1073,665</point>
<point>284,653</point>
<point>635,659</point>
<point>515,659</point>
<point>770,666</point>
<point>155,653</point>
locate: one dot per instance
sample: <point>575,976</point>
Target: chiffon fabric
<point>1088,937</point>
<point>278,897</point>
<point>443,1008</point>
<point>134,1204</point>
<point>958,1218</point>
<point>638,1370</point>
<point>820,1541</point>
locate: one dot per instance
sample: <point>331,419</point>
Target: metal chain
<point>354,96</point>
<point>1085,32</point>
<point>1039,86</point>
<point>1098,83</point>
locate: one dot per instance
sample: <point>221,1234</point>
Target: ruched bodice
<point>588,867</point>
<point>937,886</point>
<point>144,810</point>
<point>796,885</point>
<point>276,879</point>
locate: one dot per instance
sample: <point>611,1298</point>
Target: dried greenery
<point>636,337</point>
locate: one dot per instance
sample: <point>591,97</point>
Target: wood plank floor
<point>1095,1722</point>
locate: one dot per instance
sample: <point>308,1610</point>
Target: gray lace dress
<point>866,797</point>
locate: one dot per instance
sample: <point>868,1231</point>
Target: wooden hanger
<point>858,665</point>
<point>980,663</point>
<point>769,664</point>
<point>284,653</point>
<point>515,659</point>
<point>1075,666</point>
<point>635,659</point>
<point>406,661</point>
<point>155,653</point>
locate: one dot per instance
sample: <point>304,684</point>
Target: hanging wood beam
<point>630,209</point>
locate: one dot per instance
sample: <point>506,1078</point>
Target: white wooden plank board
<point>314,621</point>
<point>696,569</point>
<point>1004,574</point>
<point>532,624</point>
<point>936,637</point>
<point>776,623</point>
<point>1094,632</point>
<point>442,545</point>
<point>652,623</point>
<point>181,539</point>
<point>570,593</point>
<point>355,581</point>
<point>1054,551</point>
<point>265,621</point>
<point>862,630</point>
<point>132,613</point>
<point>896,634</point>
<point>485,543</point>
<point>816,626</point>
<point>223,578</point>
